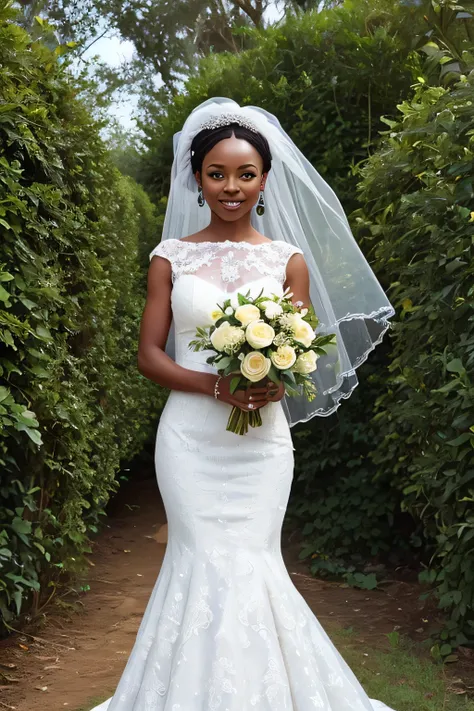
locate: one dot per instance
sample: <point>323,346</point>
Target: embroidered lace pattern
<point>229,263</point>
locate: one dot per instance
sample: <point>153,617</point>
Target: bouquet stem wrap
<point>239,420</point>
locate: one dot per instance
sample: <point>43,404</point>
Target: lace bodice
<point>227,264</point>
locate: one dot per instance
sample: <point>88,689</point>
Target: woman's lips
<point>231,204</point>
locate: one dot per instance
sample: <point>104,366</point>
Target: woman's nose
<point>231,186</point>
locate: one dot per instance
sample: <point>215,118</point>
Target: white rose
<point>272,309</point>
<point>304,333</point>
<point>229,311</point>
<point>247,313</point>
<point>287,320</point>
<point>259,334</point>
<point>306,363</point>
<point>255,366</point>
<point>284,357</point>
<point>227,337</point>
<point>301,329</point>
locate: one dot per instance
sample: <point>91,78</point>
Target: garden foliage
<point>72,403</point>
<point>417,196</point>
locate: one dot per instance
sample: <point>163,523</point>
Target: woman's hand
<point>254,397</point>
<point>276,392</point>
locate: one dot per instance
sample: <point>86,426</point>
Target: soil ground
<point>75,656</point>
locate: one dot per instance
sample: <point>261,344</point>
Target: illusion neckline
<point>226,242</point>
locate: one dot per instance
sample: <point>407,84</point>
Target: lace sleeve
<point>286,251</point>
<point>165,249</point>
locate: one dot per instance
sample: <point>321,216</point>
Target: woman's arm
<point>297,278</point>
<point>153,362</point>
<point>156,365</point>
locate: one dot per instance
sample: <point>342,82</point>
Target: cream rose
<point>247,313</point>
<point>284,357</point>
<point>272,309</point>
<point>226,337</point>
<point>288,320</point>
<point>301,329</point>
<point>306,363</point>
<point>255,366</point>
<point>303,333</point>
<point>259,334</point>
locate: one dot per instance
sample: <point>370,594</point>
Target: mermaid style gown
<point>225,629</point>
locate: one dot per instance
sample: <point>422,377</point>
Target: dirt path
<point>80,651</point>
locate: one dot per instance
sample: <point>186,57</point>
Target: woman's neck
<point>238,231</point>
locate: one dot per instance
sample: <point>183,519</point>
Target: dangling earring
<point>261,204</point>
<point>201,199</point>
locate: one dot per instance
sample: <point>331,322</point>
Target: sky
<point>113,51</point>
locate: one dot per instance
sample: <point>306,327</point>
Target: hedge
<point>72,403</point>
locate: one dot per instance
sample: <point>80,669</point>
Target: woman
<point>225,629</point>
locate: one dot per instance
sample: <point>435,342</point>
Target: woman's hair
<point>206,139</point>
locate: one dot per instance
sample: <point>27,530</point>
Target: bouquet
<point>265,337</point>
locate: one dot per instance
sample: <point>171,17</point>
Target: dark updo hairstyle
<point>205,140</point>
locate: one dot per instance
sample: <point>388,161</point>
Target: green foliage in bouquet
<point>264,337</point>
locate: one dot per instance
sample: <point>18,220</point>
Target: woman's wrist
<point>206,383</point>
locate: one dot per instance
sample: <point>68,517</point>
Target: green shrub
<point>72,403</point>
<point>327,76</point>
<point>417,194</point>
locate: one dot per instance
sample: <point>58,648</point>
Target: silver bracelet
<point>216,389</point>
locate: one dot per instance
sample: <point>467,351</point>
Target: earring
<point>201,199</point>
<point>261,204</point>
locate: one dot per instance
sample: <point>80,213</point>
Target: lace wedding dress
<point>225,629</point>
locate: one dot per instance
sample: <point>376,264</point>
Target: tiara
<point>226,119</point>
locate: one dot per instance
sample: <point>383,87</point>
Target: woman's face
<point>232,178</point>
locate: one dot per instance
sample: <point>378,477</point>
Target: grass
<point>399,677</point>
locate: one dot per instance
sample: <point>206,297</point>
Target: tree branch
<point>93,42</point>
<point>250,11</point>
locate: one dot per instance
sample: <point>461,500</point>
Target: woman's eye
<point>218,175</point>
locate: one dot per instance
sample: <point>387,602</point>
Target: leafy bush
<point>417,194</point>
<point>328,76</point>
<point>72,403</point>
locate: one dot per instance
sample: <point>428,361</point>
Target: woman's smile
<point>231,204</point>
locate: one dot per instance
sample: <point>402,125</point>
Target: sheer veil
<point>302,209</point>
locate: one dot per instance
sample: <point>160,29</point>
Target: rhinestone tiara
<point>226,120</point>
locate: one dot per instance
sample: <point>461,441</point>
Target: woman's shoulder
<point>166,248</point>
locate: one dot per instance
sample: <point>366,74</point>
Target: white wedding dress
<point>225,629</point>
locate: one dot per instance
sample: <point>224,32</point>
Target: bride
<point>225,629</point>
